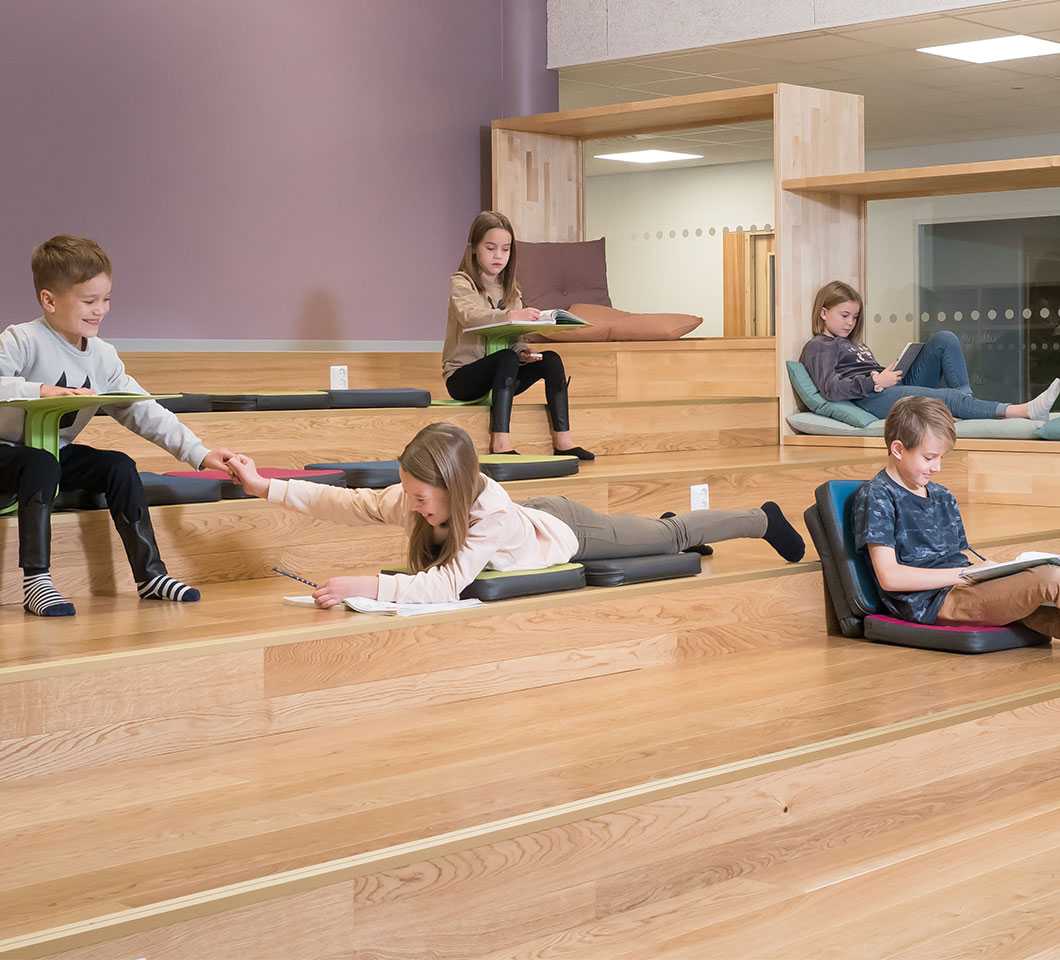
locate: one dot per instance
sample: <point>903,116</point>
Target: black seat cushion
<point>188,403</point>
<point>850,587</point>
<point>384,397</point>
<point>956,638</point>
<point>502,467</point>
<point>164,490</point>
<point>79,500</point>
<point>506,585</point>
<point>243,402</point>
<point>375,474</point>
<point>626,570</point>
<point>230,490</point>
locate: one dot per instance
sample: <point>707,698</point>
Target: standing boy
<point>60,354</point>
<point>915,538</point>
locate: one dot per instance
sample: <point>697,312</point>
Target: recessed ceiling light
<point>649,156</point>
<point>997,48</point>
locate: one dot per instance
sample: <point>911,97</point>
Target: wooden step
<point>804,792</point>
<point>243,539</point>
<point>127,678</point>
<point>295,437</point>
<point>648,370</point>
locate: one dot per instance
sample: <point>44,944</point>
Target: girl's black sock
<point>781,535</point>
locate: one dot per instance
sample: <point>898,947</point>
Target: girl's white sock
<point>1041,405</point>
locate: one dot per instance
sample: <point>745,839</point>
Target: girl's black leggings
<point>502,373</point>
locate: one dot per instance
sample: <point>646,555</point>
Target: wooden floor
<point>82,844</point>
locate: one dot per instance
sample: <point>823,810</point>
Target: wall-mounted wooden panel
<point>819,236</point>
<point>537,183</point>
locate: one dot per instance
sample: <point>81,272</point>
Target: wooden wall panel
<point>1014,478</point>
<point>537,183</point>
<point>819,237</point>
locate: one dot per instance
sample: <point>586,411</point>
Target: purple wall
<point>257,169</point>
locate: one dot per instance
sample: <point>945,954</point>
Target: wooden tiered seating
<point>683,769</point>
<point>638,771</point>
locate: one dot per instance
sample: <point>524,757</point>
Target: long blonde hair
<point>827,297</point>
<point>442,455</point>
<point>480,226</point>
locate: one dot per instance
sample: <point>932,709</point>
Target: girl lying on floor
<point>460,522</point>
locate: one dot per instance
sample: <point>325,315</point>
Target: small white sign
<point>699,495</point>
<point>340,377</point>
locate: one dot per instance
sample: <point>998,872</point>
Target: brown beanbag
<point>609,324</point>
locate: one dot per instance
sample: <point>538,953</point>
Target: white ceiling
<point>910,98</point>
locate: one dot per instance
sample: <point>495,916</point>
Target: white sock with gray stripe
<point>40,597</point>
<point>1040,406</point>
<point>165,587</point>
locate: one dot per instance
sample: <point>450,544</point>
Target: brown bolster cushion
<point>609,324</point>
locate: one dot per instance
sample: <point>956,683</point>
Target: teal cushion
<point>1051,430</point>
<point>842,410</point>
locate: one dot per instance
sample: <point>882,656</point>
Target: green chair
<point>43,415</point>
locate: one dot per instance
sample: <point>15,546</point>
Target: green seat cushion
<point>842,410</point>
<point>502,467</point>
<point>507,584</point>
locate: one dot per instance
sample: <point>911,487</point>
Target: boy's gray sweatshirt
<point>33,354</point>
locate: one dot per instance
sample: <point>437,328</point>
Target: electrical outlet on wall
<point>340,377</point>
<point>699,495</point>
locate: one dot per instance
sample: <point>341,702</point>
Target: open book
<point>1025,561</point>
<point>547,318</point>
<point>388,607</point>
<point>907,357</point>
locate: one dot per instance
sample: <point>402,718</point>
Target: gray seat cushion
<point>626,570</point>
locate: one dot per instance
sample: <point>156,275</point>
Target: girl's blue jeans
<point>939,371</point>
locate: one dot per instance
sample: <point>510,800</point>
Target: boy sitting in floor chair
<point>915,538</point>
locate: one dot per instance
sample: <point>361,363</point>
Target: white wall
<point>678,267</point>
<point>587,31</point>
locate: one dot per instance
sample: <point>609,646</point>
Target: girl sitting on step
<point>483,290</point>
<point>843,368</point>
<point>460,522</point>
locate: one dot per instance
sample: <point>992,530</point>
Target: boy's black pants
<point>32,476</point>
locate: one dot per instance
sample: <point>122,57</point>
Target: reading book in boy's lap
<point>1025,561</point>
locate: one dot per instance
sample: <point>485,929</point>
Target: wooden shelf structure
<point>538,181</point>
<point>1024,173</point>
<point>822,187</point>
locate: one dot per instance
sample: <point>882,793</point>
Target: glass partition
<point>985,266</point>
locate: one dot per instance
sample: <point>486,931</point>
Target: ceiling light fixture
<point>649,156</point>
<point>1015,47</point>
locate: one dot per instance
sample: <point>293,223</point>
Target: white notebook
<point>388,607</point>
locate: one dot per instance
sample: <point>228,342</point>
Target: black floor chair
<point>852,600</point>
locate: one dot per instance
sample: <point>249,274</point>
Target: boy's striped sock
<point>42,599</point>
<point>165,587</point>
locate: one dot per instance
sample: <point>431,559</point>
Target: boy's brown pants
<point>1008,599</point>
